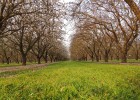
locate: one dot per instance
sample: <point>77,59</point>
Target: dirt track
<point>33,66</point>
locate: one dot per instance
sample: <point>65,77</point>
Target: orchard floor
<point>73,81</point>
<point>19,67</point>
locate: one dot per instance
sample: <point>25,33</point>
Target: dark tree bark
<point>124,57</point>
<point>97,55</point>
<point>51,58</point>
<point>97,58</point>
<point>8,60</point>
<point>39,60</point>
<point>137,55</point>
<point>24,59</point>
<point>92,58</point>
<point>87,59</point>
<point>106,56</point>
<point>46,57</point>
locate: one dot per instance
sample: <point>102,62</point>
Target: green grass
<point>128,60</point>
<point>73,81</point>
<point>9,65</point>
<point>16,64</point>
<point>119,61</point>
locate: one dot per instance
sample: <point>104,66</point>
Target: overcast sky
<point>68,28</point>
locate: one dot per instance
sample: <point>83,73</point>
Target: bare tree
<point>134,7</point>
<point>10,9</point>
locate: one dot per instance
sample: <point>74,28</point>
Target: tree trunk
<point>97,58</point>
<point>86,58</point>
<point>51,60</point>
<point>24,60</point>
<point>134,8</point>
<point>46,57</point>
<point>7,60</point>
<point>100,57</point>
<point>17,61</point>
<point>92,58</point>
<point>106,56</point>
<point>55,59</point>
<point>124,57</point>
<point>137,55</point>
<point>39,60</point>
<point>111,57</point>
<point>117,57</point>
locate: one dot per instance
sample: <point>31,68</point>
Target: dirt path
<point>33,66</point>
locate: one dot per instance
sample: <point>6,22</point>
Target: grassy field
<point>73,81</point>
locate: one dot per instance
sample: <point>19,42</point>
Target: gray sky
<point>68,28</point>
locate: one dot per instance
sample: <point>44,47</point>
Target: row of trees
<point>106,29</point>
<point>85,47</point>
<point>31,30</point>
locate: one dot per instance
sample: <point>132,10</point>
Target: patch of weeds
<point>130,89</point>
<point>103,92</point>
<point>11,73</point>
